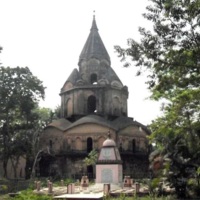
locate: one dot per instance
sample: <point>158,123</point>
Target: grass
<point>26,195</point>
<point>29,195</point>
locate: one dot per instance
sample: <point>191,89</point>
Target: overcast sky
<point>48,35</point>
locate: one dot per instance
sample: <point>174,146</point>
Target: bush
<point>3,188</point>
<point>28,194</point>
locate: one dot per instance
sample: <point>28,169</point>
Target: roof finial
<point>94,14</point>
<point>94,26</point>
<point>109,135</point>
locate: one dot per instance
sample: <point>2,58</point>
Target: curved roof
<point>140,134</point>
<point>123,122</point>
<point>92,119</point>
<point>73,77</point>
<point>112,76</point>
<point>61,124</point>
<point>109,143</point>
<point>119,123</point>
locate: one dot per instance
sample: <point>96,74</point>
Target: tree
<point>171,55</point>
<point>171,52</point>
<point>45,117</point>
<point>0,51</point>
<point>91,159</point>
<point>20,92</point>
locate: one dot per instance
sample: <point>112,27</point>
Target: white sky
<point>48,35</point>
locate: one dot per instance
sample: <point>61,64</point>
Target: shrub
<point>28,194</point>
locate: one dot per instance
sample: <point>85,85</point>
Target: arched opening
<point>90,171</point>
<point>133,145</point>
<point>78,144</point>
<point>91,104</point>
<point>116,106</point>
<point>68,108</point>
<point>44,166</point>
<point>89,144</point>
<point>93,79</point>
<point>50,144</point>
<point>120,147</point>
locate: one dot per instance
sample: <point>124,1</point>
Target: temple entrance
<point>133,145</point>
<point>90,172</point>
<point>91,104</point>
<point>45,166</point>
<point>89,145</point>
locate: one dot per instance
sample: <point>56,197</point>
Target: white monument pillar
<point>109,163</point>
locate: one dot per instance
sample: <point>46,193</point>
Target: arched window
<point>68,108</point>
<point>50,144</point>
<point>116,106</point>
<point>91,104</point>
<point>89,144</point>
<point>120,147</point>
<point>133,145</point>
<point>90,171</point>
<point>93,79</point>
<point>78,144</point>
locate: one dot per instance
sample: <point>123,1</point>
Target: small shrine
<point>109,163</point>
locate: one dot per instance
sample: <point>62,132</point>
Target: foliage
<point>57,112</point>
<point>28,194</point>
<point>20,92</point>
<point>91,159</point>
<point>180,153</point>
<point>65,182</point>
<point>3,188</point>
<point>170,54</point>
<point>0,51</point>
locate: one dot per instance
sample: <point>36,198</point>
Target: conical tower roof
<point>94,47</point>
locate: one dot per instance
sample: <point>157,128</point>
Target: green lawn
<point>29,196</point>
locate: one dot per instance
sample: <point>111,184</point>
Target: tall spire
<point>94,47</point>
<point>94,25</point>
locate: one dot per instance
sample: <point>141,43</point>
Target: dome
<point>109,143</point>
<point>109,152</point>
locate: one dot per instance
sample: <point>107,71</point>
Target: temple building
<point>93,102</point>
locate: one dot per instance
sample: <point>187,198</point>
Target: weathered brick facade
<point>93,102</point>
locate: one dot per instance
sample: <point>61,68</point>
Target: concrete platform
<point>80,196</point>
<point>101,185</point>
<point>93,192</point>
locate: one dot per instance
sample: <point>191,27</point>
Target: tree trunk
<point>14,162</point>
<point>5,162</point>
